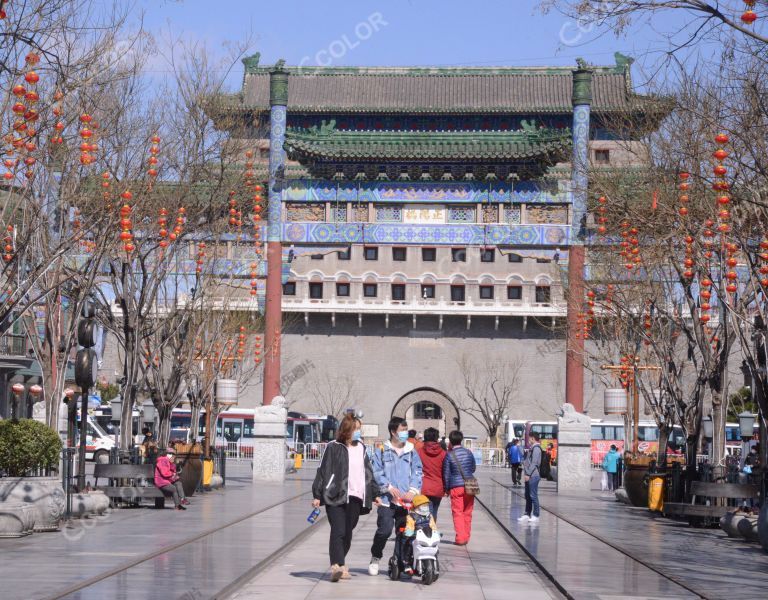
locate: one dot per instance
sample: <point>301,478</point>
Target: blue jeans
<point>532,496</point>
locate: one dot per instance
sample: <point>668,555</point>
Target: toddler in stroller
<point>416,543</point>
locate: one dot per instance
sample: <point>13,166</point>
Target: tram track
<point>227,590</point>
<point>557,514</point>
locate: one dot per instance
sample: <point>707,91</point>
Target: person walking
<point>532,476</point>
<point>459,465</point>
<point>515,458</point>
<point>167,479</point>
<point>432,456</point>
<point>611,466</point>
<point>397,470</point>
<point>344,484</point>
<point>545,470</point>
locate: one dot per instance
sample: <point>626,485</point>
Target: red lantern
<point>19,90</point>
<point>749,17</point>
<point>32,77</point>
<point>721,138</point>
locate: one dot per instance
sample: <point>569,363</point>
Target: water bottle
<point>313,516</point>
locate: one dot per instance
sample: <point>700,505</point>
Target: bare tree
<point>490,385</point>
<point>331,393</point>
<point>701,19</point>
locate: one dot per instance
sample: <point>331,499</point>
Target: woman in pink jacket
<point>167,479</point>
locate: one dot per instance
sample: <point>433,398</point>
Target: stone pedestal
<point>574,444</point>
<point>269,448</point>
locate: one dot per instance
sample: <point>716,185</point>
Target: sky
<point>394,33</point>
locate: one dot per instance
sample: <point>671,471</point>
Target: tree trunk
<point>194,421</point>
<point>691,446</point>
<point>164,428</point>
<point>718,433</point>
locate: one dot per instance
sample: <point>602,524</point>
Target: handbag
<point>747,469</point>
<point>471,485</point>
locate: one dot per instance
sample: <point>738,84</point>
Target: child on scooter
<point>418,518</point>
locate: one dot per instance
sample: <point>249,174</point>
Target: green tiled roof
<point>329,143</point>
<point>419,90</point>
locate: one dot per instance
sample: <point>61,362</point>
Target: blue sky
<point>396,32</point>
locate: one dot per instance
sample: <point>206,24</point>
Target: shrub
<point>27,445</point>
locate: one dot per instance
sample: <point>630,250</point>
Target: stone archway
<point>450,417</point>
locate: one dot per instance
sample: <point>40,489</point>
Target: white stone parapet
<point>269,425</point>
<point>574,442</point>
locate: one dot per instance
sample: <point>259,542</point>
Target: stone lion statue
<point>569,416</point>
<point>275,410</point>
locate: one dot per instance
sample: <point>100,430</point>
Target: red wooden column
<point>574,356</point>
<point>278,99</point>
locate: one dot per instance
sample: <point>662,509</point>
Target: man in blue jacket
<point>611,466</point>
<point>398,474</point>
<point>515,458</point>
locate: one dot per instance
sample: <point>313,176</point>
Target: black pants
<point>613,481</point>
<point>515,473</point>
<point>388,516</point>
<point>343,520</point>
<point>434,505</point>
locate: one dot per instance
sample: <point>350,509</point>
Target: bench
<point>124,483</point>
<point>706,500</point>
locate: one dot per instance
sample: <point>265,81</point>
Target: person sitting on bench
<point>167,479</point>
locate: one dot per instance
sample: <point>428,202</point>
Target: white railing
<point>236,450</point>
<point>490,457</point>
<point>420,306</point>
<point>312,452</point>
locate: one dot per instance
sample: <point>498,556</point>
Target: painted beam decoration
<point>530,192</point>
<point>448,235</point>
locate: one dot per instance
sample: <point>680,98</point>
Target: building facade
<point>426,215</point>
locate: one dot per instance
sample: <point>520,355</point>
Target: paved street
<point>592,544</point>
<point>251,542</point>
<point>491,567</point>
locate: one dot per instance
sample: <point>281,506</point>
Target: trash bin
<point>656,485</point>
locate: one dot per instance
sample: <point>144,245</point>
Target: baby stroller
<point>419,553</point>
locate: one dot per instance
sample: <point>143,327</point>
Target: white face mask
<point>423,510</point>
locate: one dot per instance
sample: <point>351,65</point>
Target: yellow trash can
<point>656,492</point>
<point>207,471</point>
<point>297,460</point>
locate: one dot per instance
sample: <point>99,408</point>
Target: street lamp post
<point>746,430</point>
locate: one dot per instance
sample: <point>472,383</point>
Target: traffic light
<point>86,365</point>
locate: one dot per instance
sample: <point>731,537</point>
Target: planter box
<point>44,494</point>
<point>16,519</point>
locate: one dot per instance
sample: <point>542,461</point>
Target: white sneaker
<point>523,519</point>
<point>373,566</point>
<point>533,521</point>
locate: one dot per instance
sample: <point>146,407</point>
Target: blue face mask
<point>402,436</point>
<point>357,435</point>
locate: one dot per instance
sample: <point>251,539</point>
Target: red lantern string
<point>162,222</point>
<point>8,245</point>
<point>602,219</point>
<point>200,258</point>
<point>152,161</point>
<point>126,236</point>
<point>727,249</point>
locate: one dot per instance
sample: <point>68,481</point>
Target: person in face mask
<point>397,469</point>
<point>344,483</point>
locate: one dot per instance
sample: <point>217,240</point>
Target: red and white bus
<point>604,435</point>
